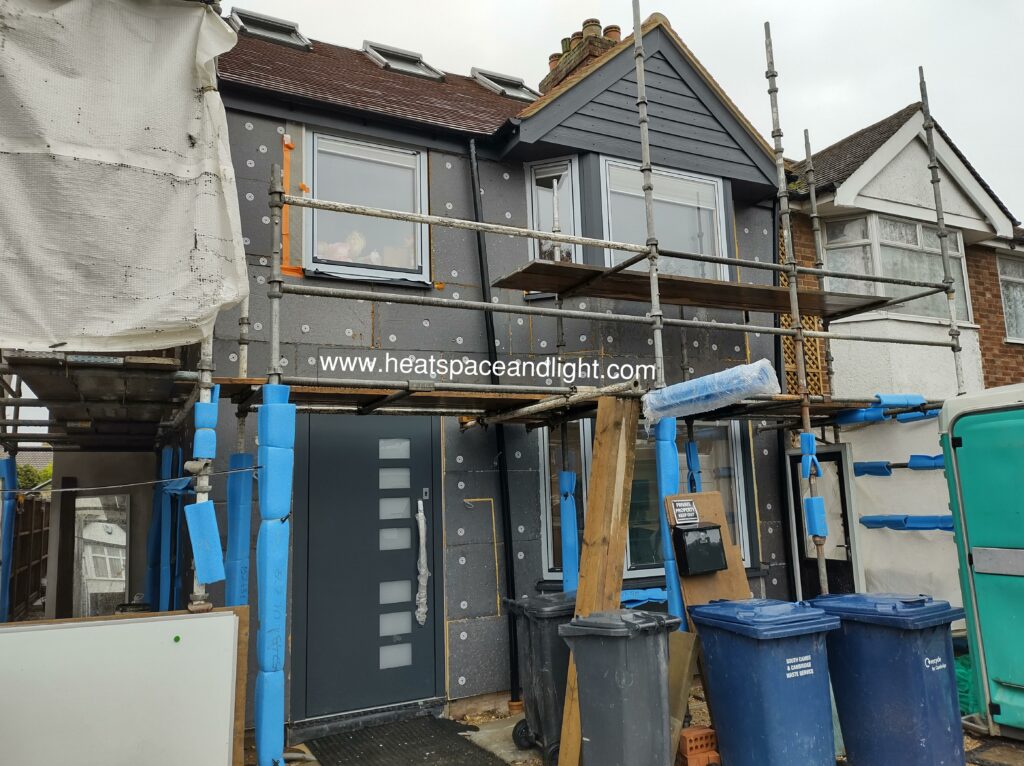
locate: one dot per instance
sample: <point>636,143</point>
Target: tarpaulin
<point>119,225</point>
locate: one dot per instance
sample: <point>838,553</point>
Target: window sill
<point>316,273</point>
<point>876,316</point>
<point>1014,341</point>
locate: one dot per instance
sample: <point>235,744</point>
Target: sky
<point>842,65</point>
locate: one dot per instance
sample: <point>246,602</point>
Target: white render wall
<point>903,561</point>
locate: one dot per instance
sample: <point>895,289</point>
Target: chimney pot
<point>553,60</point>
<point>592,28</point>
<point>613,33</point>
<point>576,39</point>
<point>566,44</point>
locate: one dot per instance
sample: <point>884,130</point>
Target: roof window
<point>401,60</point>
<point>268,28</point>
<point>506,85</point>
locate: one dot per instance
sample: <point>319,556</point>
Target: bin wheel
<point>551,756</point>
<point>522,736</point>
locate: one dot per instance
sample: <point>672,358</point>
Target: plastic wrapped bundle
<point>711,392</point>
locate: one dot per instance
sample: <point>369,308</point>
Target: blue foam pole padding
<point>873,468</point>
<point>889,401</point>
<point>275,484</point>
<point>205,536</point>
<point>166,472</point>
<point>206,414</point>
<point>901,522</point>
<point>275,423</point>
<point>275,393</point>
<point>866,415</point>
<point>9,474</point>
<point>570,530</point>
<point>272,591</point>
<point>926,462</point>
<point>666,455</point>
<point>694,480</point>
<point>268,712</point>
<point>814,517</point>
<point>809,459</point>
<point>204,444</point>
<point>910,417</point>
<point>239,520</point>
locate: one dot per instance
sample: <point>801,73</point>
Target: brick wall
<point>1002,363</point>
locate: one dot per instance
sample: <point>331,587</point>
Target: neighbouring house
<point>381,126</point>
<point>877,213</point>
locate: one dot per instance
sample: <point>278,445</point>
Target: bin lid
<point>896,610</point>
<point>763,618</point>
<point>544,606</point>
<point>620,623</point>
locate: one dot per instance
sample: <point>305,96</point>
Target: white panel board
<point>158,691</point>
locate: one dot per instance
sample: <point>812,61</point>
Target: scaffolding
<point>493,404</point>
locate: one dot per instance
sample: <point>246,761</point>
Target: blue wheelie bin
<point>766,675</point>
<point>894,679</point>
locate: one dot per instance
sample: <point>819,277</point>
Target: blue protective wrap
<point>910,417</point>
<point>667,461</point>
<point>268,712</point>
<point>809,459</point>
<point>276,437</point>
<point>205,536</point>
<point>8,506</point>
<point>888,401</point>
<point>204,442</point>
<point>693,473</point>
<point>866,415</point>
<point>272,593</point>
<point>166,472</point>
<point>814,517</point>
<point>873,468</point>
<point>239,520</point>
<point>711,392</point>
<point>901,522</point>
<point>926,462</point>
<point>570,530</point>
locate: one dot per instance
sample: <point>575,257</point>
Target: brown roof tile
<point>347,78</point>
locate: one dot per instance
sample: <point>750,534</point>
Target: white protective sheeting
<point>119,225</point>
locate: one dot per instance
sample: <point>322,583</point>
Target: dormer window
<point>401,60</point>
<point>506,85</point>
<point>268,28</point>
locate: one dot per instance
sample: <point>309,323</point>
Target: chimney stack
<point>581,47</point>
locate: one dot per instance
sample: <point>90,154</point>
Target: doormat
<point>426,740</point>
<point>998,753</point>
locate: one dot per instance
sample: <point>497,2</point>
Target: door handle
<point>423,573</point>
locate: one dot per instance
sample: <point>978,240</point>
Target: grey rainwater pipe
<point>515,690</point>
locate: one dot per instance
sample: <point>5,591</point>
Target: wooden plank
<point>604,538</point>
<point>548,276</point>
<point>730,583</point>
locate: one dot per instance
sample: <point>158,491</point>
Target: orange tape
<point>286,234</point>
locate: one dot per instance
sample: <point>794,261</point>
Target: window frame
<point>874,243</point>
<point>1002,297</point>
<point>722,250</point>
<point>586,451</point>
<point>504,84</point>
<point>378,54</point>
<point>312,139</point>
<point>531,214</point>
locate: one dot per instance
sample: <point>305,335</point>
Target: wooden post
<point>604,538</point>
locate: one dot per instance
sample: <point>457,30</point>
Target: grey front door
<point>365,647</point>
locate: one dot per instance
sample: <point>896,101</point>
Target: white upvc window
<point>895,247</point>
<point>543,177</point>
<point>720,451</point>
<point>1011,285</point>
<point>376,175</point>
<point>688,216</point>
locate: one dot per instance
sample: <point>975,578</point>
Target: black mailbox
<point>699,548</point>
